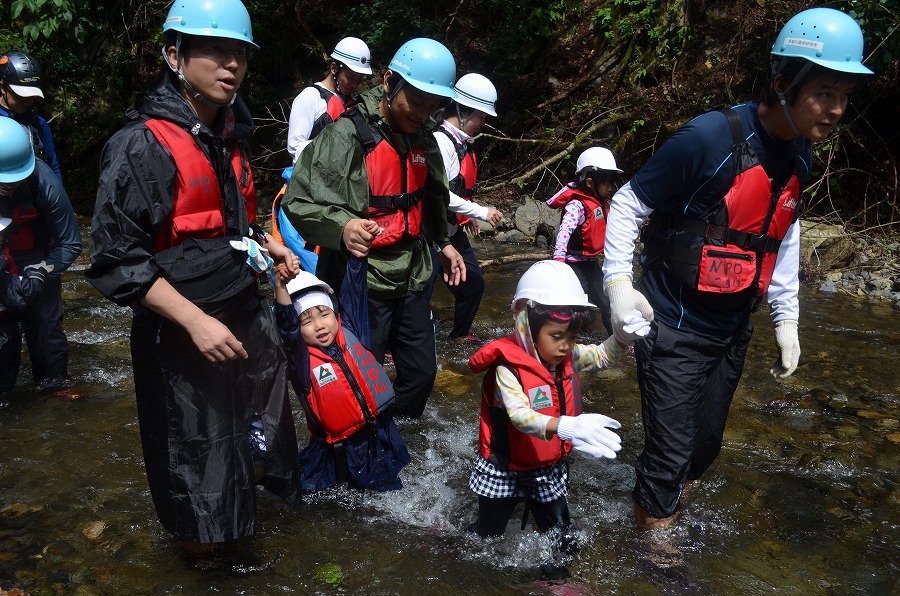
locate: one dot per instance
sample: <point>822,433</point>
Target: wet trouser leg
<point>687,383</point>
<point>44,335</point>
<point>467,295</point>
<point>590,275</point>
<point>195,418</point>
<point>494,514</point>
<point>10,351</point>
<point>403,327</point>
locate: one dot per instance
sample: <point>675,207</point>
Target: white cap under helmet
<point>307,290</point>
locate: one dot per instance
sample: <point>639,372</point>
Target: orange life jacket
<point>396,184</point>
<point>735,248</point>
<point>347,392</point>
<point>499,441</point>
<point>465,183</point>
<point>334,107</point>
<point>28,229</point>
<point>588,239</point>
<point>197,206</point>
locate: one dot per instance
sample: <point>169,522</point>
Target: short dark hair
<point>598,176</point>
<point>789,68</point>
<point>171,38</point>
<point>580,318</point>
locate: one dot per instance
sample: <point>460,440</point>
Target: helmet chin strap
<point>782,95</point>
<point>334,78</point>
<point>187,84</point>
<point>392,94</point>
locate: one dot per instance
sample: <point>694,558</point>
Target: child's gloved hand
<point>589,433</point>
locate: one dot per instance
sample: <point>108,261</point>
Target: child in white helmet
<point>531,414</point>
<point>582,229</point>
<point>344,392</point>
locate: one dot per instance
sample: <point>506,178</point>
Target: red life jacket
<point>334,107</point>
<point>197,207</point>
<point>346,393</point>
<point>28,229</point>
<point>499,441</point>
<point>588,239</point>
<point>396,184</point>
<point>464,184</point>
<point>735,248</point>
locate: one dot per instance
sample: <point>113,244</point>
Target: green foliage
<point>656,27</point>
<point>518,32</point>
<point>880,22</point>
<point>387,24</point>
<point>70,20</point>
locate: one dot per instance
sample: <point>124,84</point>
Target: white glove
<point>624,300</point>
<point>257,256</point>
<point>588,433</point>
<point>636,324</point>
<point>789,346</point>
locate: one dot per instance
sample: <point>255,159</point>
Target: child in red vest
<point>344,392</point>
<point>582,229</point>
<point>531,404</point>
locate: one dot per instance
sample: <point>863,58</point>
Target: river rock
<point>93,530</point>
<point>532,215</point>
<point>828,287</point>
<point>824,246</point>
<point>512,237</point>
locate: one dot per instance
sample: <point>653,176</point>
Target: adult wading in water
<point>722,196</point>
<point>206,353</point>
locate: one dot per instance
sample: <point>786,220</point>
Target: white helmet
<point>476,91</point>
<point>307,290</point>
<point>598,158</point>
<point>353,53</point>
<point>550,283</point>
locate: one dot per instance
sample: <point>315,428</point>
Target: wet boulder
<point>824,246</point>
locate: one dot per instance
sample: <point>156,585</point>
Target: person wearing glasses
<point>371,188</point>
<point>174,238</point>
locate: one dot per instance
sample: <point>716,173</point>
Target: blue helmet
<point>211,18</point>
<point>426,65</point>
<point>16,153</point>
<point>824,36</point>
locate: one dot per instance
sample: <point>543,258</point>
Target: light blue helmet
<point>426,65</point>
<point>824,36</point>
<point>211,18</point>
<point>16,153</point>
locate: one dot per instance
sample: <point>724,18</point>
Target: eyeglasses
<point>221,54</point>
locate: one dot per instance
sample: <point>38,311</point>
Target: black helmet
<point>22,73</point>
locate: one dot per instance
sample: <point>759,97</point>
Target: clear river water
<point>804,498</point>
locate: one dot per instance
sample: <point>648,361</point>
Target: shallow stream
<point>804,498</point>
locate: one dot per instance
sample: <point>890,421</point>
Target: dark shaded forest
<point>623,73</point>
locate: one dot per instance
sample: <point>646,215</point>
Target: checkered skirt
<point>542,485</point>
